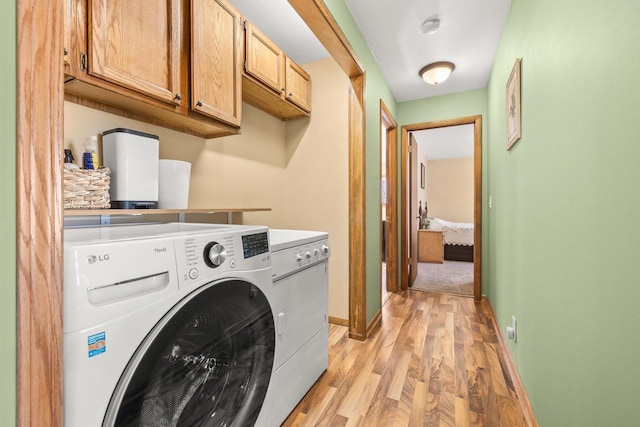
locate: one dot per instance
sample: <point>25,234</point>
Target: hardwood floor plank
<point>432,410</point>
<point>461,412</point>
<point>434,361</point>
<point>510,412</point>
<point>352,399</point>
<point>418,404</point>
<point>367,395</point>
<point>395,388</point>
<point>476,419</point>
<point>497,375</point>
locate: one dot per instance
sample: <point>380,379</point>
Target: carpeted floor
<point>455,277</point>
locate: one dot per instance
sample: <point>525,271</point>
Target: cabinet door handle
<point>177,97</point>
<point>199,104</point>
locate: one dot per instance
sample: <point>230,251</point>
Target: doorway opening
<point>437,236</point>
<point>388,203</point>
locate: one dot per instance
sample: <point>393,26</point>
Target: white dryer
<point>300,262</point>
<point>168,324</point>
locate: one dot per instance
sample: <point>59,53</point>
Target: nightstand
<point>430,246</point>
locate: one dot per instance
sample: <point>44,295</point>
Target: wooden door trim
<point>477,191</point>
<point>391,251</point>
<point>320,21</point>
<point>357,212</point>
<point>39,211</point>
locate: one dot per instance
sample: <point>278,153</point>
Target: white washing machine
<point>168,324</point>
<point>300,295</point>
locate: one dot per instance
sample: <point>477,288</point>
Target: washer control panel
<point>205,256</point>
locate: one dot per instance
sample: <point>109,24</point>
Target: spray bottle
<point>90,155</point>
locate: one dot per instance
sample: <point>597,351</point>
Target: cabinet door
<point>136,45</point>
<point>216,60</point>
<point>298,86</point>
<point>264,60</point>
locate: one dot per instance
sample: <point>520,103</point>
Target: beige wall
<point>316,187</point>
<point>226,172</point>
<point>450,189</point>
<point>298,168</point>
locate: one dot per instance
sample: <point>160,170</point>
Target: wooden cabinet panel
<point>264,60</point>
<point>136,45</point>
<point>141,53</point>
<point>430,246</point>
<point>216,60</point>
<point>298,85</point>
<point>272,82</point>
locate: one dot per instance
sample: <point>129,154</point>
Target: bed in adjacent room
<point>458,238</point>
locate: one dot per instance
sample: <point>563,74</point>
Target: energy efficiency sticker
<point>97,344</point>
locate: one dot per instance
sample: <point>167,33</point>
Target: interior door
<point>413,210</point>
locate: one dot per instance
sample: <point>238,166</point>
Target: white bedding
<point>453,233</point>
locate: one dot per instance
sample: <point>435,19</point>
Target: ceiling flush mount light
<point>431,25</point>
<point>437,72</point>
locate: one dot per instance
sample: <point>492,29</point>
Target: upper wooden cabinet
<point>132,58</point>
<point>136,45</point>
<point>298,85</point>
<point>264,60</point>
<point>271,80</point>
<point>216,60</point>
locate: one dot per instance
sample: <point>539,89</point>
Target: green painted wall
<point>563,230</point>
<point>8,212</point>
<point>375,89</point>
<point>471,103</point>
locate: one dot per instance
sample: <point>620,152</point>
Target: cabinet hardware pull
<point>198,104</point>
<point>177,97</point>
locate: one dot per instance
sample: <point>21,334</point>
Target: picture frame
<point>422,177</point>
<point>513,113</point>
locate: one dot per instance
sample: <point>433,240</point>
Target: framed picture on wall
<point>514,131</point>
<point>422,178</point>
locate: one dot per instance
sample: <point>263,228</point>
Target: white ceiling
<point>446,143</point>
<point>468,36</point>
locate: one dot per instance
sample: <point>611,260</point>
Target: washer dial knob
<point>325,250</point>
<point>214,254</point>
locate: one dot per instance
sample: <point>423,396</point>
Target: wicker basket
<point>86,189</point>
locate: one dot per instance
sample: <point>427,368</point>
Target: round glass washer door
<point>208,362</point>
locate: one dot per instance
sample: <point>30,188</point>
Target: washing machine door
<point>206,363</point>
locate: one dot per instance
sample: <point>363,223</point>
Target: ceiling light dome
<point>437,72</point>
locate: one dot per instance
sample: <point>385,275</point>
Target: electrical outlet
<point>512,331</point>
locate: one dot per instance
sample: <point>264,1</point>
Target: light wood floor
<point>433,362</point>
